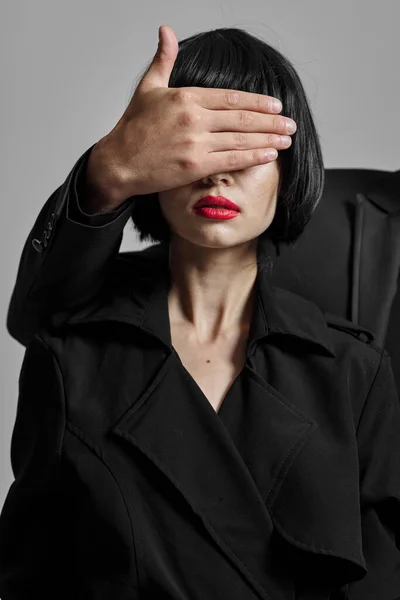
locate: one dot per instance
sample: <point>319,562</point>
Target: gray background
<point>68,70</point>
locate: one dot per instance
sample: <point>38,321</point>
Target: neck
<point>212,290</point>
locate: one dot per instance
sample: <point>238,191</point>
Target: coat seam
<point>61,380</point>
<point>100,455</point>
<point>94,448</point>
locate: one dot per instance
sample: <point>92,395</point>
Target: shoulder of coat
<point>354,329</point>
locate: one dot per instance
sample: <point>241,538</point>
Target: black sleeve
<point>378,436</point>
<point>66,258</point>
<point>34,519</point>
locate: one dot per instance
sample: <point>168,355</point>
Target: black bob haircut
<point>232,58</point>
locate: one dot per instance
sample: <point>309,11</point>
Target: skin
<point>213,263</point>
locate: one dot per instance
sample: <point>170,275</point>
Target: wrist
<point>99,187</point>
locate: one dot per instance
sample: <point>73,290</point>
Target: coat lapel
<point>288,488</point>
<point>176,428</point>
<point>376,254</point>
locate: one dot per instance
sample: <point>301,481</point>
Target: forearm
<point>67,256</point>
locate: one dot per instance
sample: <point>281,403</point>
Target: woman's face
<point>255,190</point>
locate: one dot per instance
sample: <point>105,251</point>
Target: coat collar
<point>292,489</point>
<point>138,295</point>
<point>386,193</point>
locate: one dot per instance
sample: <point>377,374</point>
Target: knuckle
<point>189,163</point>
<point>190,142</point>
<point>245,117</point>
<point>187,118</point>
<point>240,139</point>
<point>232,98</point>
<point>232,159</point>
<point>181,95</point>
<point>277,123</point>
<point>271,139</point>
<point>281,124</point>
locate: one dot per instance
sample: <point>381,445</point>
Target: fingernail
<point>276,105</point>
<point>272,153</point>
<point>290,126</point>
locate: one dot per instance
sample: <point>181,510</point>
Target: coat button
<point>363,337</point>
<point>37,244</point>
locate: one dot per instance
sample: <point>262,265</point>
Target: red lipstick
<point>216,207</point>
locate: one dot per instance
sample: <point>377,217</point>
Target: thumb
<point>160,69</point>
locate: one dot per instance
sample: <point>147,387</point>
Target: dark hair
<point>232,58</point>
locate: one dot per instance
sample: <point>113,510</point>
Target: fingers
<point>250,122</point>
<point>241,129</point>
<point>219,142</point>
<point>246,112</point>
<point>236,160</point>
<point>219,99</point>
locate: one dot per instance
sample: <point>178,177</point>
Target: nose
<point>217,178</point>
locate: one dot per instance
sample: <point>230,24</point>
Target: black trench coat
<point>128,484</point>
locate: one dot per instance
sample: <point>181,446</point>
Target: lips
<point>217,202</point>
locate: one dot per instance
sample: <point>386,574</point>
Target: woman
<point>192,431</point>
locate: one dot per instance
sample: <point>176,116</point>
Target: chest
<point>213,367</point>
